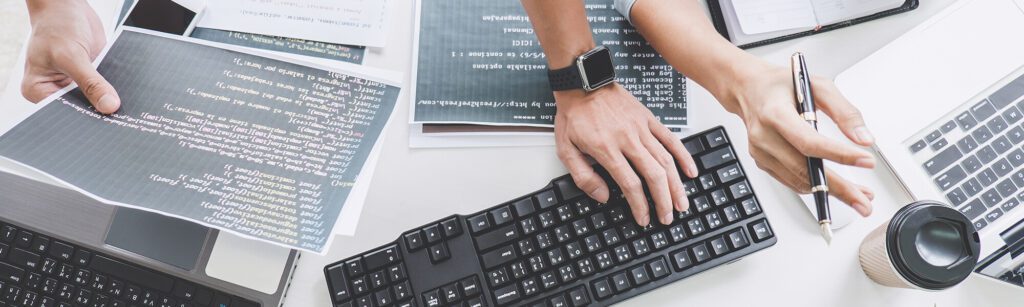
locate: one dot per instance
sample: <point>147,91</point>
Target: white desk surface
<point>413,187</point>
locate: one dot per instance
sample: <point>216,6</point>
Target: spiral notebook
<point>752,23</point>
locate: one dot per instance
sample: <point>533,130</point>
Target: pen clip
<point>798,85</point>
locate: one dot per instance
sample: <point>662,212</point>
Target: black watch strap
<point>564,79</point>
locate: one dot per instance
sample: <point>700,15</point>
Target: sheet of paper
<point>833,11</point>
<point>479,62</point>
<point>349,22</point>
<point>250,144</point>
<point>762,16</point>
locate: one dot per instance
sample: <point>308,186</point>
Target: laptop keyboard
<point>976,157</point>
<point>41,271</point>
<point>557,247</point>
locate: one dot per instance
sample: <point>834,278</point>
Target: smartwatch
<point>591,71</point>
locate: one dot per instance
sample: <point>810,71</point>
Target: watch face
<point>598,68</point>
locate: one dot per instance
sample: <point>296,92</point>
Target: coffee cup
<point>926,245</point>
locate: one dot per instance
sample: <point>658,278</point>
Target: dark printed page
<point>256,146</point>
<point>480,62</point>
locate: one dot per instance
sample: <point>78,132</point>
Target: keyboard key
<point>1009,204</point>
<point>681,259</point>
<point>983,110</point>
<point>982,134</point>
<point>966,121</point>
<point>1016,157</point>
<point>10,273</point>
<point>987,177</point>
<point>700,253</point>
<point>971,187</point>
<point>956,196</point>
<point>739,190</point>
<point>498,236</point>
<point>40,244</point>
<point>971,164</point>
<point>707,181</point>
<point>933,136</point>
<point>997,125</point>
<point>506,295</point>
<point>433,234</point>
<point>354,267</point>
<point>438,253</point>
<point>546,199</point>
<point>738,239</point>
<point>987,154</point>
<point>568,188</point>
<point>694,146</point>
<point>677,233</point>
<point>967,144</point>
<point>658,268</point>
<point>750,206</point>
<point>948,126</point>
<point>917,146</point>
<point>939,144</point>
<point>716,138</point>
<point>501,216</point>
<point>1016,135</point>
<point>380,258</point>
<point>1007,94</point>
<point>451,228</point>
<point>479,223</point>
<point>498,257</point>
<point>973,209</point>
<point>993,215</point>
<point>700,203</point>
<point>470,286</point>
<point>719,246</point>
<point>433,298</point>
<point>414,240</point>
<point>24,239</point>
<point>761,230</point>
<point>524,207</point>
<point>717,157</point>
<point>25,259</point>
<point>578,296</point>
<point>979,224</point>
<point>8,233</point>
<point>719,197</point>
<point>991,198</point>
<point>943,159</point>
<point>639,275</point>
<point>1006,188</point>
<point>1001,144</point>
<point>950,178</point>
<point>620,281</point>
<point>602,289</point>
<point>729,173</point>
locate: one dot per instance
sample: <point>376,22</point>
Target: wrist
<point>739,78</point>
<point>569,98</point>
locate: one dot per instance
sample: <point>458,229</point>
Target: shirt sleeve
<point>624,7</point>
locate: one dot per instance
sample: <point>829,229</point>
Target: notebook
<point>751,23</point>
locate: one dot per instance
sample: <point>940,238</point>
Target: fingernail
<point>865,162</point>
<point>600,194</point>
<point>681,204</point>
<point>666,218</point>
<point>643,221</point>
<point>864,135</point>
<point>692,169</point>
<point>107,104</point>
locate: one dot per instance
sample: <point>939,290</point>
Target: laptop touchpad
<point>169,240</point>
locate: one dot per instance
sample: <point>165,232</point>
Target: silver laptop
<point>60,248</point>
<point>946,101</point>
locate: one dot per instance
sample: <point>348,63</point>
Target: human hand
<point>781,141</point>
<point>615,129</point>
<point>66,37</point>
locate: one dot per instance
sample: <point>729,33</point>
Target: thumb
<point>99,92</point>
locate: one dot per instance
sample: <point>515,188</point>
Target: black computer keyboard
<point>557,247</point>
<point>38,270</point>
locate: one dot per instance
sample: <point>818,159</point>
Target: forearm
<point>682,34</point>
<point>562,28</point>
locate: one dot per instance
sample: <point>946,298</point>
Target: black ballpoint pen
<point>815,168</point>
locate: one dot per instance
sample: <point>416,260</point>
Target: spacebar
<point>132,274</point>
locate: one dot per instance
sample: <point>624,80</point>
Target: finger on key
<point>675,182</point>
<point>582,172</point>
<point>657,179</point>
<point>630,183</point>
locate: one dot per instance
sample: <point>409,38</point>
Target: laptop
<point>61,248</point>
<point>946,101</point>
